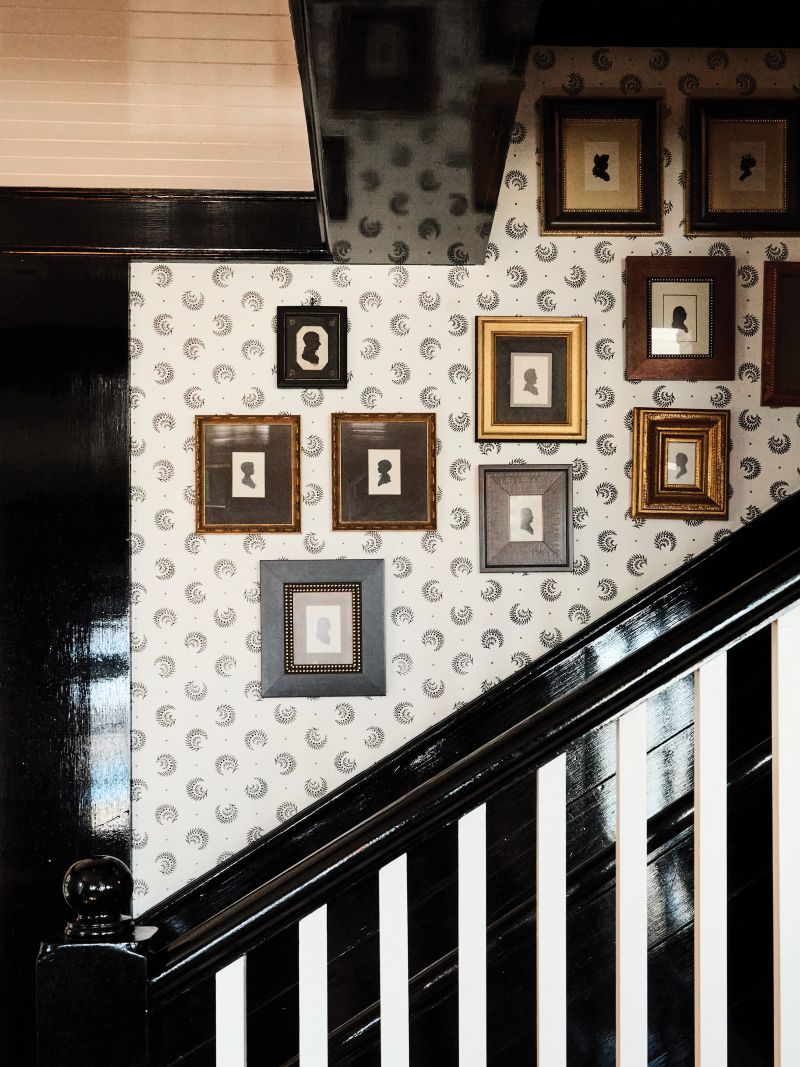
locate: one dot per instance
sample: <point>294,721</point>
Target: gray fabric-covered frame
<point>371,679</point>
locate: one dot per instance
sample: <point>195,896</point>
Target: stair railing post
<point>91,987</point>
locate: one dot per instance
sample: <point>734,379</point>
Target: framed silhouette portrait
<point>531,378</point>
<point>322,628</point>
<point>525,517</point>
<point>247,473</point>
<point>680,318</point>
<point>680,464</point>
<point>601,165</point>
<point>384,472</point>
<point>780,356</point>
<point>312,347</point>
<point>744,170</point>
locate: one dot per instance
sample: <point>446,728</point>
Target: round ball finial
<point>99,891</point>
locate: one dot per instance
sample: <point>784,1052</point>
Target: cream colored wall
<point>178,94</point>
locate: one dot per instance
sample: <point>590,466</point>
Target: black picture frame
<point>568,206</point>
<point>352,588</point>
<point>706,121</point>
<point>326,329</point>
<point>542,495</point>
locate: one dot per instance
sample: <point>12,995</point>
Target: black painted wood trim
<point>162,223</point>
<point>65,575</point>
<point>689,615</point>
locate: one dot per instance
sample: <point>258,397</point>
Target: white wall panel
<point>393,926</point>
<point>551,912</point>
<point>231,1012</point>
<point>472,939</point>
<point>313,988</point>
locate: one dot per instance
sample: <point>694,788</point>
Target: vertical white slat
<point>632,888</point>
<point>472,939</point>
<point>314,989</point>
<point>231,1012</point>
<point>393,925</point>
<point>710,864</point>
<point>785,840</point>
<point>551,912</point>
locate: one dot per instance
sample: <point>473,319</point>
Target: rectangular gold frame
<point>338,523</point>
<point>200,421</point>
<point>573,330</point>
<point>707,498</point>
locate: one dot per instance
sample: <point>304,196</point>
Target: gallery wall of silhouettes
<point>214,766</point>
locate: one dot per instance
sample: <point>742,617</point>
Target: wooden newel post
<point>91,988</point>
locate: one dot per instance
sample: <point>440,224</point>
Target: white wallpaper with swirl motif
<point>214,765</point>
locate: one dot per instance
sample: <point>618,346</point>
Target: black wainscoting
<point>64,573</point>
<point>163,223</point>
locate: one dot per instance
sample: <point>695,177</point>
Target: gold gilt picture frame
<point>384,471</point>
<point>601,165</point>
<point>247,473</point>
<point>530,378</point>
<point>680,464</point>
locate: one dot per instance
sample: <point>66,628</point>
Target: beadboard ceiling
<point>174,94</point>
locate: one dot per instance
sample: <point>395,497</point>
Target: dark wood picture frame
<point>703,435</point>
<point>701,216</point>
<point>351,484</point>
<point>557,216</point>
<point>243,511</point>
<point>498,486</point>
<point>642,273</point>
<point>328,319</point>
<point>361,582</point>
<point>780,355</point>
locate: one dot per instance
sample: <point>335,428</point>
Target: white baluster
<point>231,1013</point>
<point>710,864</point>
<point>632,888</point>
<point>472,939</point>
<point>551,912</point>
<point>314,989</point>
<point>393,920</point>
<point>785,839</point>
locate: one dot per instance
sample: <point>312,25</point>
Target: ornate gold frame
<point>429,522</point>
<point>201,526</point>
<point>488,329</point>
<point>652,498</point>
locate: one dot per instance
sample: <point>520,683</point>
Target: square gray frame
<point>562,518</point>
<point>368,573</point>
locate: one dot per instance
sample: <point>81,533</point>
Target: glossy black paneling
<point>411,108</point>
<point>273,1015</point>
<point>64,633</point>
<point>162,223</point>
<point>353,956</point>
<point>675,24</point>
<point>695,611</point>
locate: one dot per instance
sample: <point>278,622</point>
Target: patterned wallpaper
<point>215,767</point>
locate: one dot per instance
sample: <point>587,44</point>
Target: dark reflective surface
<point>64,634</point>
<point>413,104</point>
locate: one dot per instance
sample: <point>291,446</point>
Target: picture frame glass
<point>747,164</point>
<point>602,165</point>
<point>680,316</point>
<point>384,473</point>
<point>681,463</point>
<point>323,628</point>
<point>312,346</point>
<point>248,474</point>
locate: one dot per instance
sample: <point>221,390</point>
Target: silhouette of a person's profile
<point>526,520</point>
<point>679,314</point>
<point>324,630</point>
<point>530,381</point>
<point>600,168</point>
<point>747,163</point>
<point>311,343</point>
<point>248,469</point>
<point>682,463</point>
<point>384,466</point>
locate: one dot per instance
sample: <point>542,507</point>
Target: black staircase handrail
<point>692,613</point>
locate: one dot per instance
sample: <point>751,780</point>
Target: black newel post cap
<point>99,891</point>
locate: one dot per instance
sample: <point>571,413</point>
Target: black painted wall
<point>64,576</point>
